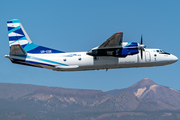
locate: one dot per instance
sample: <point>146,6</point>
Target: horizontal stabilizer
<point>17,50</point>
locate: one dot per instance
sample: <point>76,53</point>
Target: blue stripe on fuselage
<point>45,60</point>
<point>23,57</point>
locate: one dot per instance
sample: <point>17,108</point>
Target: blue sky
<point>81,25</point>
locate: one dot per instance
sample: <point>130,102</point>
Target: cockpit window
<point>162,52</point>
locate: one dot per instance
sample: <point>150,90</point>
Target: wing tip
<point>119,32</point>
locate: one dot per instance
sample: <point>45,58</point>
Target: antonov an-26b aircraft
<point>113,53</point>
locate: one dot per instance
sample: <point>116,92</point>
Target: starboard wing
<point>115,41</point>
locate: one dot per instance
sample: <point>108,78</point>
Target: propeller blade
<point>141,54</point>
<point>141,40</point>
<point>141,49</point>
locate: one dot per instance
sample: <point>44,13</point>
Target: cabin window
<point>79,59</point>
<point>64,60</point>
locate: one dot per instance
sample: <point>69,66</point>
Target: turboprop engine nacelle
<point>129,48</point>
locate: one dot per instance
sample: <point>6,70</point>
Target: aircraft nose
<point>174,58</point>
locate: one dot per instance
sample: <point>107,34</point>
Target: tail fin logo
<point>17,34</point>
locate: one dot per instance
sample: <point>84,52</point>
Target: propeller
<point>141,47</point>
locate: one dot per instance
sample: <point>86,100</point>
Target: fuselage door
<point>148,56</point>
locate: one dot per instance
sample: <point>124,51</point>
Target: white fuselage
<point>113,53</point>
<point>78,61</point>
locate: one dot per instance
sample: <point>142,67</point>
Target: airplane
<point>112,54</point>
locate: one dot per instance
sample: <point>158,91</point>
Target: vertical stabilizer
<point>17,34</point>
<point>19,39</point>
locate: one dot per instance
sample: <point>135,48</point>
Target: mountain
<point>65,98</point>
<point>18,101</point>
<point>144,84</point>
<point>15,91</point>
<point>23,101</point>
<point>146,89</point>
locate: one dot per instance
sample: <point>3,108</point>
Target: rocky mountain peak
<point>145,82</point>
